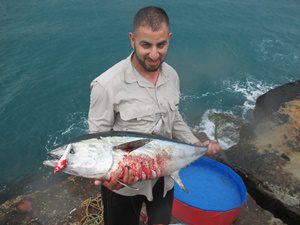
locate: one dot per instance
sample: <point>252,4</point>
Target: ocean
<point>227,53</point>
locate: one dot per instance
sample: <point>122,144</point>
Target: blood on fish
<point>144,165</point>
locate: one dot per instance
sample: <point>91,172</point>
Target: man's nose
<point>154,54</point>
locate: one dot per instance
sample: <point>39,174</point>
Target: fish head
<point>58,152</point>
<point>87,158</point>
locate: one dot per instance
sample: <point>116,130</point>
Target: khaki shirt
<point>123,100</point>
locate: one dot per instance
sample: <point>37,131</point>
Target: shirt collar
<point>129,73</point>
<point>132,75</point>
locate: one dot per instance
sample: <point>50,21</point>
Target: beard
<point>149,68</point>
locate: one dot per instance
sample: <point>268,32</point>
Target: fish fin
<point>132,145</point>
<point>175,176</point>
<point>134,188</point>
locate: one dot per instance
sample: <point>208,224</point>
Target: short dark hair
<point>152,17</point>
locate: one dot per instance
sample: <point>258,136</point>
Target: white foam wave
<point>250,89</point>
<point>206,125</point>
<point>228,133</point>
<point>187,97</point>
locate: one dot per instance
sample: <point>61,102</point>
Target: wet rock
<point>223,127</point>
<point>253,214</point>
<point>227,128</point>
<point>271,101</point>
<point>268,153</point>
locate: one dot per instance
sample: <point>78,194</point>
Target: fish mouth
<point>58,152</point>
<point>50,163</point>
<point>53,156</point>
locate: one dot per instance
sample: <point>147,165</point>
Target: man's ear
<point>131,38</point>
<point>170,35</point>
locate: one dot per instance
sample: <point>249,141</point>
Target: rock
<point>271,101</point>
<point>69,200</point>
<point>268,153</point>
<point>25,205</point>
<point>253,214</point>
<point>58,204</point>
<point>223,127</point>
<point>227,128</point>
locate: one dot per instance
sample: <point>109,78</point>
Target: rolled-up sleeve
<point>101,113</point>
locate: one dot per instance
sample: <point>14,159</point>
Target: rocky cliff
<point>268,152</point>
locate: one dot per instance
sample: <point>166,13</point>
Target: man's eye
<point>161,45</point>
<point>145,45</point>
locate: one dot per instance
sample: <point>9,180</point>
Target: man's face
<point>150,47</point>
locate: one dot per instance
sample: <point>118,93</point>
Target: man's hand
<point>125,176</point>
<point>212,146</point>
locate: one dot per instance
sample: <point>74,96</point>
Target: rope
<point>93,211</point>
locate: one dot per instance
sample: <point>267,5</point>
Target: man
<point>141,94</point>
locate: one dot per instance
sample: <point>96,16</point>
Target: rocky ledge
<point>76,201</point>
<point>267,155</point>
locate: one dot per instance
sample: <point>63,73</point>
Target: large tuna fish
<point>101,155</point>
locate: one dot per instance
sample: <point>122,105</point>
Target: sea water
<point>227,53</point>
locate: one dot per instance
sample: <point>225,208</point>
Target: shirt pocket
<point>141,118</point>
<point>172,111</point>
<point>138,113</point>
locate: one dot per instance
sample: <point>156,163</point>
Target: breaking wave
<point>246,92</point>
<point>249,90</point>
<point>208,126</point>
